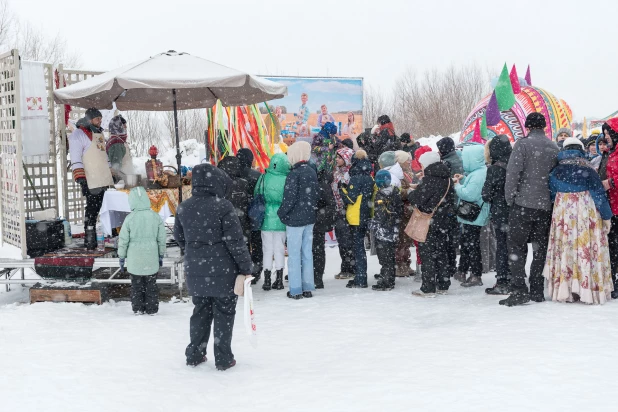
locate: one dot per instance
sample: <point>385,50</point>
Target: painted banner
<point>313,101</point>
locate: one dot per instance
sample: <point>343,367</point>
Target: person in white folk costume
<point>89,163</point>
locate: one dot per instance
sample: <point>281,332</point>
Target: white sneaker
<point>422,294</point>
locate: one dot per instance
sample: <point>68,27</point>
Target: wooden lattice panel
<point>11,174</point>
<point>74,203</point>
<point>42,172</point>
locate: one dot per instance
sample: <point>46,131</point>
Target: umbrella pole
<point>178,155</point>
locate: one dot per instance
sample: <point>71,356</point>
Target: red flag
<point>515,81</point>
<point>477,133</point>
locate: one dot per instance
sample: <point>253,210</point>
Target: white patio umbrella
<point>170,81</point>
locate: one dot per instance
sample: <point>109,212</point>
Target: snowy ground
<point>343,350</point>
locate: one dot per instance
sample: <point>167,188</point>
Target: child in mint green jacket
<point>142,244</point>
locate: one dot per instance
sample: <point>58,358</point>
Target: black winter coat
<point>429,193</point>
<point>368,142</point>
<point>245,156</point>
<point>387,142</point>
<point>603,166</point>
<point>361,183</point>
<point>500,150</point>
<point>388,211</point>
<point>326,213</point>
<point>493,192</point>
<point>410,149</point>
<point>208,230</point>
<point>300,196</point>
<point>251,176</point>
<point>238,193</point>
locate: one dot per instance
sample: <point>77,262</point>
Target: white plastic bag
<point>249,314</point>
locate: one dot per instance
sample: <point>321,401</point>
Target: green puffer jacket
<point>142,238</point>
<point>274,181</point>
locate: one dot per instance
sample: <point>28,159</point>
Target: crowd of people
<point>558,195</point>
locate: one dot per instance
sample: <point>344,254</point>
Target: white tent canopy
<point>148,84</point>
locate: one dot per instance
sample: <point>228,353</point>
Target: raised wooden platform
<point>66,293</point>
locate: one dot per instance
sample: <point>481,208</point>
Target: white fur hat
<point>429,158</point>
<point>572,141</point>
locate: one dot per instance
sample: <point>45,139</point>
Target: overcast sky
<point>572,46</point>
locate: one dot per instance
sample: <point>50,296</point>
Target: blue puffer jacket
<point>471,188</point>
<point>573,175</point>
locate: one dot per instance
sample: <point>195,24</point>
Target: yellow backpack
<point>352,213</point>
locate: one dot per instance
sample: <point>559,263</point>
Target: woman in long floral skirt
<point>577,266</point>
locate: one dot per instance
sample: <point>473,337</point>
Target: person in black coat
<point>435,193</point>
<point>365,140</point>
<point>245,156</point>
<point>357,195</point>
<point>387,140</point>
<point>207,229</point>
<point>493,192</point>
<point>326,215</point>
<point>298,213</point>
<point>388,211</point>
<point>408,144</point>
<point>238,193</point>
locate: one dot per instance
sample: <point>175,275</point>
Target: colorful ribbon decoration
<point>233,128</point>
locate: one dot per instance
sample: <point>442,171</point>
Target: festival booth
<point>168,81</point>
<point>504,111</point>
<point>599,122</point>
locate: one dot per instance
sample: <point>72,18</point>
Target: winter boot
<point>460,277</point>
<point>382,286</point>
<point>473,281</point>
<point>266,285</point>
<point>318,281</point>
<point>194,363</point>
<point>418,277</point>
<point>295,297</point>
<point>352,285</point>
<point>516,298</point>
<point>256,278</point>
<point>500,288</point>
<point>344,275</point>
<point>278,285</point>
<point>537,297</point>
<point>422,294</point>
<point>402,271</point>
<point>308,295</point>
<point>224,368</point>
<point>615,294</point>
<point>377,276</point>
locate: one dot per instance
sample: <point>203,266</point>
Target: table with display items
<point>115,207</point>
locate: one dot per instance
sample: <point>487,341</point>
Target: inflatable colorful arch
<point>531,99</point>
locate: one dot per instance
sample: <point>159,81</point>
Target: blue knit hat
<point>383,179</point>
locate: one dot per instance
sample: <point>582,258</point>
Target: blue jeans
<point>300,259</point>
<point>360,255</point>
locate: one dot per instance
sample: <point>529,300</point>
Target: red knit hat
<point>416,166</point>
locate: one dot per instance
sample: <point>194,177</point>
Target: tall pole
<point>178,155</point>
